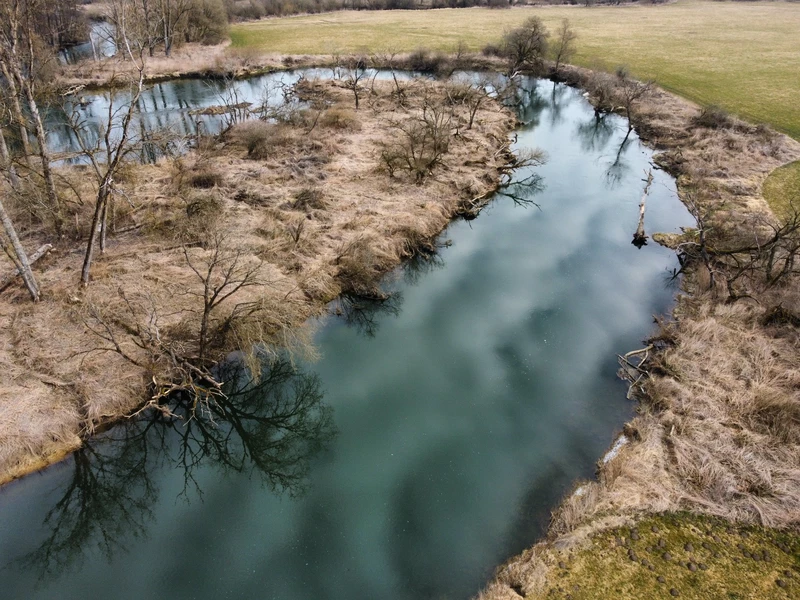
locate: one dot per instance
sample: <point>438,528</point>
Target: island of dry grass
<point>303,210</point>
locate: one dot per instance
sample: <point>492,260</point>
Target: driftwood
<point>639,238</point>
<point>633,372</point>
<point>7,280</point>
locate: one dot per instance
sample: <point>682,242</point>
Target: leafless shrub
<point>204,206</point>
<point>339,117</point>
<point>295,230</point>
<point>421,141</point>
<point>423,60</point>
<point>472,96</point>
<point>601,88</point>
<point>713,117</point>
<point>206,179</point>
<point>492,50</point>
<point>309,198</point>
<point>360,268</point>
<point>222,272</point>
<point>262,140</point>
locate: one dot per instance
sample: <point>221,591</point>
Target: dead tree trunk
<point>17,254</point>
<point>639,238</point>
<point>7,165</point>
<point>16,112</point>
<point>44,154</point>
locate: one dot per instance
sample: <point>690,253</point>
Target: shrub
<point>204,206</point>
<point>423,60</point>
<point>262,140</point>
<point>360,268</point>
<point>310,198</point>
<point>205,179</point>
<point>420,143</point>
<point>339,117</point>
<point>492,50</point>
<point>713,117</point>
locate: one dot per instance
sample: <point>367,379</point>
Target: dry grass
<point>313,218</point>
<point>718,430</point>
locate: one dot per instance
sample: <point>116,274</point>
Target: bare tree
<point>629,92</point>
<point>172,14</point>
<point>563,47</point>
<point>140,20</point>
<point>222,272</point>
<point>525,47</point>
<point>21,61</point>
<point>106,156</point>
<point>356,72</point>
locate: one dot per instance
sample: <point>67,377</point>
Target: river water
<point>428,444</point>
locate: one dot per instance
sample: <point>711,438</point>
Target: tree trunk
<point>44,153</point>
<point>103,227</point>
<point>7,164</point>
<point>24,265</point>
<point>640,238</point>
<point>99,209</point>
<point>16,112</point>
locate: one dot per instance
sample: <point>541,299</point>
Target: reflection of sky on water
<point>171,107</point>
<point>464,410</point>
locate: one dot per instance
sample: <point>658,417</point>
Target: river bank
<point>709,424</point>
<point>717,432</point>
<point>303,209</point>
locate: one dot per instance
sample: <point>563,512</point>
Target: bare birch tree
<point>20,61</point>
<point>16,252</point>
<point>107,153</point>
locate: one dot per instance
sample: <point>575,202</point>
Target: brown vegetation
<point>234,244</point>
<point>718,429</point>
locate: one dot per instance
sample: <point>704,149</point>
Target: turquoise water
<point>429,443</point>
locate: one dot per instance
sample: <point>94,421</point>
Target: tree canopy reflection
<point>267,427</point>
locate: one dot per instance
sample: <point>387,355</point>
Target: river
<point>428,444</point>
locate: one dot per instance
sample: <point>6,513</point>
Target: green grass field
<point>742,56</point>
<point>782,189</point>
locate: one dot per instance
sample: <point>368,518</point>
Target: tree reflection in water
<point>268,427</point>
<point>595,133</point>
<point>364,312</point>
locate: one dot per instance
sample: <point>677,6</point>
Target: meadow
<point>744,57</point>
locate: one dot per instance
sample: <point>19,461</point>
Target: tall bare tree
<point>21,59</point>
<point>525,47</point>
<point>107,153</point>
<point>173,15</point>
<point>563,46</point>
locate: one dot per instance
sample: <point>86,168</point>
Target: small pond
<point>427,445</point>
